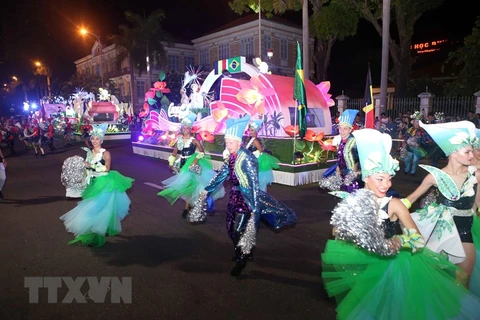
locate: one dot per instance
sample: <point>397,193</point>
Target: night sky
<point>47,30</point>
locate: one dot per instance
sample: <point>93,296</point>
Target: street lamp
<point>84,32</point>
<point>269,53</point>
<point>43,70</point>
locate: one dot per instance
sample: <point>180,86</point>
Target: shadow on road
<point>145,250</point>
<point>316,287</point>
<point>34,201</point>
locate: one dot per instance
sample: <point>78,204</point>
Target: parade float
<point>233,89</point>
<point>83,106</point>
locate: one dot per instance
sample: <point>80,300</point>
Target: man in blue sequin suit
<point>247,203</point>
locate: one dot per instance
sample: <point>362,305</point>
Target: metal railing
<point>450,106</point>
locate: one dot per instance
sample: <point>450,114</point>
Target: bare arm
<point>477,195</point>
<point>258,145</point>
<point>2,159</point>
<point>426,184</point>
<point>175,150</point>
<point>199,148</point>
<point>108,160</point>
<point>397,208</point>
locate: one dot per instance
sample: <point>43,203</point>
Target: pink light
<point>140,138</point>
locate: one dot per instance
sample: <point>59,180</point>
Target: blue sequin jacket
<point>261,203</point>
<point>246,170</point>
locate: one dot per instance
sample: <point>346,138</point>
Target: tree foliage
<point>468,57</point>
<point>331,20</point>
<point>404,14</point>
<point>147,38</point>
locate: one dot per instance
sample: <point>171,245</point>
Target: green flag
<point>299,93</point>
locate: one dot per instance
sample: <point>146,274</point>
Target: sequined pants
<point>236,207</point>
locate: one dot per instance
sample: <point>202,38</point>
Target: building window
<point>283,49</point>
<point>246,47</point>
<point>267,42</point>
<point>188,61</point>
<point>224,51</point>
<point>204,57</point>
<point>173,63</point>
<point>140,89</point>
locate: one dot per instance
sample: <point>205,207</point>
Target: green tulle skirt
<point>113,181</point>
<point>422,285</point>
<point>188,184</point>
<point>104,205</point>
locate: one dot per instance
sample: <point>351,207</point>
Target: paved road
<point>178,271</point>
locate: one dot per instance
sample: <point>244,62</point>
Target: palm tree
<point>142,44</point>
<point>148,37</point>
<point>125,41</point>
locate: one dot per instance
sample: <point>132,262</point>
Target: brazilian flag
<point>299,94</point>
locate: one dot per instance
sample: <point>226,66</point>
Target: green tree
<point>468,56</point>
<point>146,38</point>
<point>126,43</point>
<point>88,84</point>
<point>331,20</point>
<point>404,14</point>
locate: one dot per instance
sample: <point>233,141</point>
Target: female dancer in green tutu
<point>375,273</point>
<point>104,201</point>
<point>193,169</point>
<point>266,162</point>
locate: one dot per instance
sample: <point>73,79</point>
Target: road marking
<point>154,185</point>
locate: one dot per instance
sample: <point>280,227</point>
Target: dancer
<point>247,202</point>
<point>266,162</point>
<point>376,274</point>
<point>105,202</point>
<point>68,132</point>
<point>447,223</point>
<point>345,174</point>
<point>50,134</point>
<point>3,174</point>
<point>193,170</point>
<point>36,138</point>
<point>86,128</point>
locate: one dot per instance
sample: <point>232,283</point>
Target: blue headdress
<point>374,152</point>
<point>189,119</point>
<point>347,117</point>
<point>476,143</point>
<point>99,130</point>
<point>256,124</point>
<point>452,136</point>
<point>236,127</point>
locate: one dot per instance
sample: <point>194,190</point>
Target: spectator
<point>471,117</point>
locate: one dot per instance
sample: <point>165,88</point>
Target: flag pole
<point>295,131</point>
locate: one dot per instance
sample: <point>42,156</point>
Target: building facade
<point>241,38</point>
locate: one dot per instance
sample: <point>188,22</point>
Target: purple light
<point>140,138</point>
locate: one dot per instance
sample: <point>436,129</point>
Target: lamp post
<point>43,70</point>
<point>270,53</point>
<point>84,32</point>
<point>259,30</point>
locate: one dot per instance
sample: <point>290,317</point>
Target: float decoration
<point>261,95</point>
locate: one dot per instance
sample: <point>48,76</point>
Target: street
<point>177,270</point>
